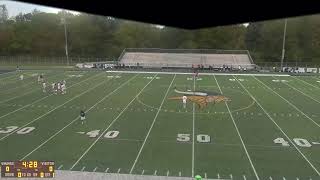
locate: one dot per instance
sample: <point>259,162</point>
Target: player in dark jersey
<point>82,116</point>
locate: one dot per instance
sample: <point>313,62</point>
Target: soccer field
<point>270,130</point>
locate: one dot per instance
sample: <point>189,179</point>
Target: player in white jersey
<point>52,87</point>
<point>184,101</point>
<point>21,77</point>
<point>63,88</point>
<point>59,87</point>
<point>44,86</point>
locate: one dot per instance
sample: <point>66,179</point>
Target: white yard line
<point>315,77</point>
<point>288,138</point>
<point>301,92</point>
<point>32,81</point>
<point>114,120</point>
<point>17,81</point>
<point>17,87</point>
<point>24,83</point>
<point>83,168</point>
<point>193,125</point>
<point>7,73</point>
<point>244,177</point>
<point>36,89</point>
<point>238,132</point>
<point>109,94</point>
<point>288,102</point>
<point>209,74</point>
<point>305,82</point>
<point>45,97</point>
<point>48,112</point>
<point>154,120</point>
<point>13,77</point>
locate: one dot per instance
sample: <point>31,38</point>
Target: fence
<point>31,60</point>
<point>292,64</point>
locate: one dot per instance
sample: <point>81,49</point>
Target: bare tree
<point>3,13</point>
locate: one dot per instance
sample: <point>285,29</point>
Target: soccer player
<point>82,116</point>
<point>44,87</point>
<point>184,101</point>
<point>39,79</point>
<point>195,74</point>
<point>59,87</point>
<point>63,88</point>
<point>21,77</point>
<point>54,88</point>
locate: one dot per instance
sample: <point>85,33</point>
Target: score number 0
<point>202,138</point>
<point>299,141</point>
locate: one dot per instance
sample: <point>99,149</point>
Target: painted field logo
<point>201,98</point>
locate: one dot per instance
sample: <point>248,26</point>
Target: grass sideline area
<point>269,129</point>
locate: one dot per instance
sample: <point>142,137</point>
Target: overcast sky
<point>14,8</point>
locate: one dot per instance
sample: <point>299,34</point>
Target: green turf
<point>242,145</point>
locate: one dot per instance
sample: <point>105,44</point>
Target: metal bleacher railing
<point>193,51</point>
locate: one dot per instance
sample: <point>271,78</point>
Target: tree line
<point>42,34</point>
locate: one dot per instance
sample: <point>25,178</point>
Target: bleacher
<point>185,58</point>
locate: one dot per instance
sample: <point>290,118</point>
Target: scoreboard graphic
<point>27,169</point>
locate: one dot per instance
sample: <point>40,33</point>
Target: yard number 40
<point>299,141</point>
<point>109,134</point>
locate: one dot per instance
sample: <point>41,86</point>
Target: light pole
<point>284,42</point>
<point>63,20</point>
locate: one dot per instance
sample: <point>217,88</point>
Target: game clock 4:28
<point>30,164</point>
